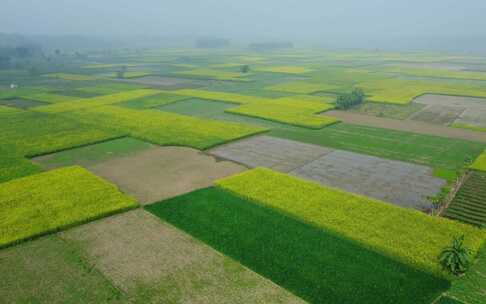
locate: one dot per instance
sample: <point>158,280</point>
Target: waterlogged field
<point>47,202</point>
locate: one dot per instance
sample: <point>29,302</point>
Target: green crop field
<point>402,91</point>
<point>311,262</point>
<point>97,101</point>
<point>468,127</point>
<point>27,134</point>
<point>96,153</point>
<point>410,237</point>
<point>287,111</point>
<point>49,97</point>
<point>469,204</point>
<point>470,288</point>
<point>284,69</point>
<point>71,77</point>
<point>438,152</point>
<point>107,88</point>
<point>206,73</point>
<point>198,108</point>
<point>220,96</point>
<point>153,101</point>
<point>132,75</point>
<point>30,133</point>
<point>47,202</point>
<point>480,162</point>
<point>301,87</point>
<point>437,73</point>
<point>164,128</point>
<point>34,271</point>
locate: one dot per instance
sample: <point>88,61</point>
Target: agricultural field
<point>400,183</point>
<point>235,175</point>
<point>403,91</point>
<point>97,101</point>
<point>480,162</point>
<point>64,204</point>
<point>71,77</point>
<point>433,151</point>
<point>284,69</point>
<point>469,204</point>
<point>346,214</point>
<point>387,110</point>
<point>163,128</point>
<point>204,73</point>
<point>302,114</point>
<point>300,87</point>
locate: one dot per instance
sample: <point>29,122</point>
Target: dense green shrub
<point>345,101</point>
<point>457,257</point>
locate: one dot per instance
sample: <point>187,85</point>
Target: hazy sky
<point>292,19</point>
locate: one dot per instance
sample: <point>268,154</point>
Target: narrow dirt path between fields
<point>408,125</point>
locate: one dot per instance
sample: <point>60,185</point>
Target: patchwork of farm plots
<point>266,213</point>
<point>400,183</point>
<point>249,186</point>
<point>462,112</point>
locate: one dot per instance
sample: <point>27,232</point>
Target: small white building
<point>13,86</point>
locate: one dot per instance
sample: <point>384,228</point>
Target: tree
<point>348,100</point>
<point>245,69</point>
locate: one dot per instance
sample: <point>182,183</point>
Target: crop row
<point>469,204</point>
